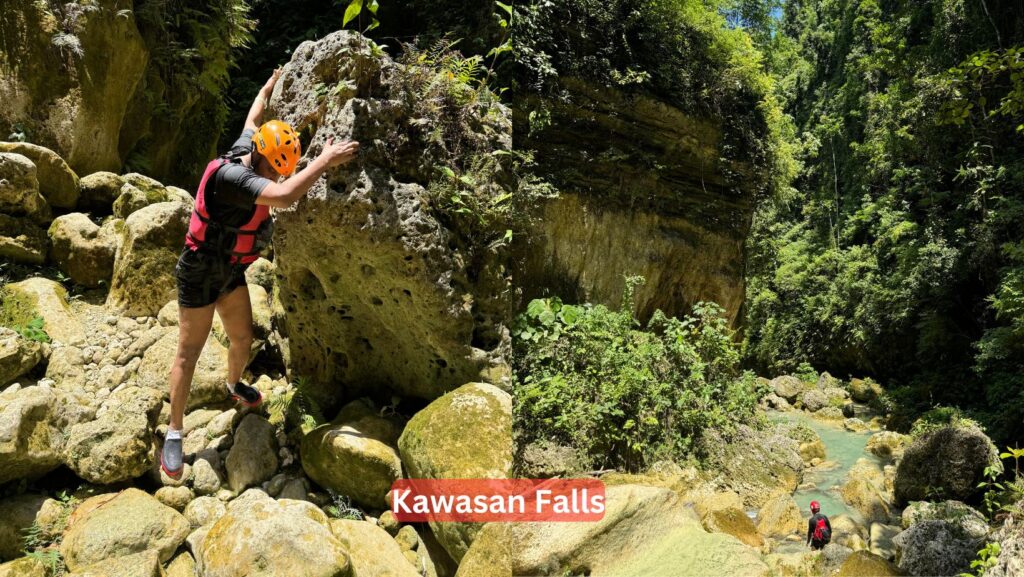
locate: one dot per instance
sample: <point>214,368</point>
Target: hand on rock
<point>340,153</point>
<point>269,86</point>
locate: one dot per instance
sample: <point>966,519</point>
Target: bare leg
<point>193,329</point>
<point>235,312</point>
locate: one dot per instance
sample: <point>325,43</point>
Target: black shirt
<point>232,191</point>
<point>812,524</point>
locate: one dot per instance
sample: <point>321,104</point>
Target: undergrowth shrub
<point>621,394</point>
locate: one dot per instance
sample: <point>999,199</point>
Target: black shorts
<point>203,277</point>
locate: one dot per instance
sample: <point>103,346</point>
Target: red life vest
<point>250,238</point>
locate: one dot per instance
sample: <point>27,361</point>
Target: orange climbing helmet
<point>279,144</point>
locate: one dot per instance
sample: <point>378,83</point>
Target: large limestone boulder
<point>814,400</point>
<point>253,456</point>
<point>951,459</point>
<point>18,355</point>
<point>865,491</point>
<point>755,463</point>
<point>99,191</point>
<point>33,422</point>
<point>968,518</point>
<point>151,241</point>
<point>82,249</point>
<point>71,79</point>
<point>865,390</point>
<point>142,564</point>
<point>864,564</point>
<point>118,445</point>
<point>780,517</point>
<point>376,291</point>
<point>24,567</point>
<point>19,188</point>
<point>57,182</point>
<point>491,554</point>
<point>22,240</point>
<point>887,444</point>
<point>787,387</point>
<point>115,525</point>
<point>139,191</point>
<point>261,537</point>
<point>466,434</point>
<point>849,532</point>
<point>355,455</point>
<point>937,547</point>
<point>733,521</point>
<point>372,552</point>
<point>45,298</point>
<point>645,531</point>
<point>208,380</point>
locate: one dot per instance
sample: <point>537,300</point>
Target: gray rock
<point>787,387</point>
<point>83,250</point>
<point>253,456</point>
<point>937,548</point>
<point>814,400</point>
<point>952,458</point>
<point>32,425</point>
<point>19,188</point>
<point>151,240</point>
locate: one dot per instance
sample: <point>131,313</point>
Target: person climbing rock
<point>229,227</point>
<point>819,529</point>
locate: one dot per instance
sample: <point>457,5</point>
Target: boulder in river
<point>780,517</point>
<point>754,463</point>
<point>951,458</point>
<point>787,387</point>
<point>864,490</point>
<point>735,522</point>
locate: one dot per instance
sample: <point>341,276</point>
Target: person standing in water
<point>819,530</point>
<point>229,227</point>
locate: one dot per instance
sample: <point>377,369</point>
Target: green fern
<point>297,408</point>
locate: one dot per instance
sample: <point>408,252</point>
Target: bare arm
<point>255,116</point>
<point>282,195</point>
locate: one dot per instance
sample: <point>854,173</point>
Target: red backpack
<point>822,533</point>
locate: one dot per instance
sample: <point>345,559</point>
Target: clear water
<point>843,448</point>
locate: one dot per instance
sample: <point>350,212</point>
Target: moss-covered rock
<point>951,458</point>
<point>370,272</point>
<point>355,454</point>
<point>465,434</point>
<point>99,190</point>
<point>18,355</point>
<point>939,546</point>
<point>645,531</point>
<point>72,76</point>
<point>42,297</point>
<point>755,463</point>
<point>261,537</point>
<point>735,522</point>
<point>22,240</point>
<point>143,279</point>
<point>141,564</point>
<point>252,458</point>
<point>865,390</point>
<point>371,551</point>
<point>119,524</point>
<point>490,555</point>
<point>865,491</point>
<point>787,387</point>
<point>864,564</point>
<point>24,567</point>
<point>57,182</point>
<point>118,445</point>
<point>887,444</point>
<point>140,191</point>
<point>83,250</point>
<point>33,421</point>
<point>780,517</point>
<point>19,188</point>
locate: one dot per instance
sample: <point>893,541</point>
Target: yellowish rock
<point>780,517</point>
